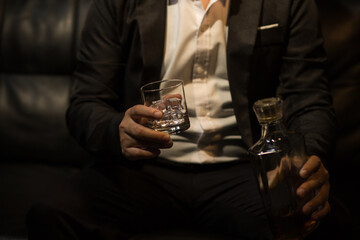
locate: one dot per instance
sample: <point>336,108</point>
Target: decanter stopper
<point>268,110</point>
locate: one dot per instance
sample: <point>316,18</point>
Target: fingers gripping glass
<point>168,96</point>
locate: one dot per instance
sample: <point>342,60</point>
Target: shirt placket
<point>200,70</point>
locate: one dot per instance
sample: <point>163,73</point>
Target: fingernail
<point>167,137</point>
<point>303,172</point>
<point>157,114</point>
<point>301,192</point>
<point>306,210</point>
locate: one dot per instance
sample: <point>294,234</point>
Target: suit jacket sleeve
<point>95,110</point>
<point>307,100</point>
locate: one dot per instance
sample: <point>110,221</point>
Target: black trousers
<point>117,201</point>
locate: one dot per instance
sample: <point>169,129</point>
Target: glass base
<point>174,129</point>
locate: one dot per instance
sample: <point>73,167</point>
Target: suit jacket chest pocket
<point>270,35</point>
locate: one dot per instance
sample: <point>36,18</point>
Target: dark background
<point>38,44</point>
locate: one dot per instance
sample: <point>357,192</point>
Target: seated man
<point>229,54</point>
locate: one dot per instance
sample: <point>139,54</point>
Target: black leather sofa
<point>38,44</point>
<point>39,40</point>
<point>340,21</point>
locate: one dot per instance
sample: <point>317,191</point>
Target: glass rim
<point>179,83</point>
<point>268,102</point>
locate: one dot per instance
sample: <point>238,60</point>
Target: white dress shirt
<point>195,51</point>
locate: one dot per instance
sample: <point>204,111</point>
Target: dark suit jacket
<point>123,45</point>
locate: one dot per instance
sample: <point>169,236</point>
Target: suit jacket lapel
<point>151,15</point>
<point>244,18</point>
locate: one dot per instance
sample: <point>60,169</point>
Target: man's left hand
<point>317,180</point>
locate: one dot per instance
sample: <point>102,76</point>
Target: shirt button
<point>200,70</point>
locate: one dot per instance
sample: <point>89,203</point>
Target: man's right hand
<point>140,142</point>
